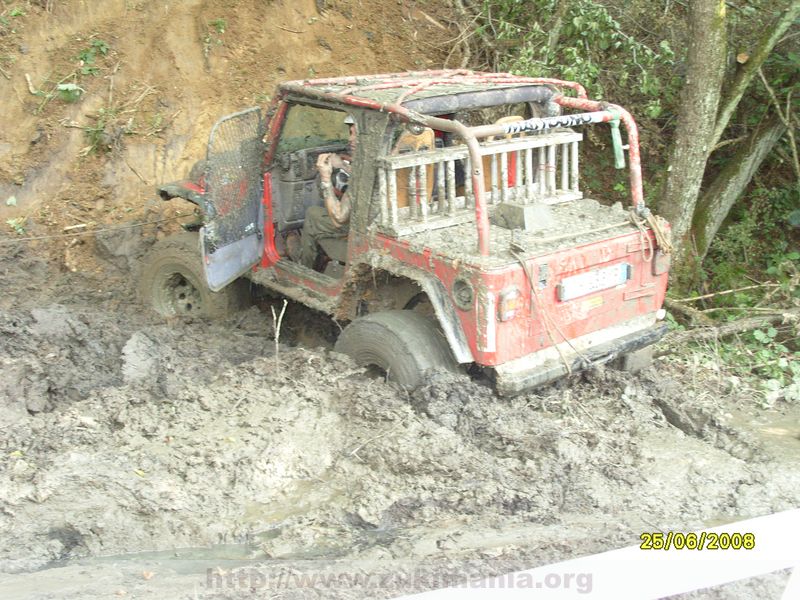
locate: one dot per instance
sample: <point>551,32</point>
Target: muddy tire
<point>406,345</point>
<point>171,282</point>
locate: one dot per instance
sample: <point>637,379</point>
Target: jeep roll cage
<point>424,95</point>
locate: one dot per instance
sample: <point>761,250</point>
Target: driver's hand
<point>324,166</point>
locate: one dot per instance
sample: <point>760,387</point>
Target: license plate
<point>593,281</point>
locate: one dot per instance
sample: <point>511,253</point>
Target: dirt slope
<point>155,77</point>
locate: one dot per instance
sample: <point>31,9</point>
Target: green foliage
<point>69,92</point>
<point>219,25</point>
<point>756,243</point>
<point>756,246</point>
<point>761,353</point>
<point>590,40</point>
<point>784,72</point>
<point>17,224</point>
<point>88,57</point>
<point>7,17</point>
<point>672,323</point>
<point>97,135</point>
<point>621,190</point>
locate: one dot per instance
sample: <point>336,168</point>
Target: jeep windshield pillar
<point>467,214</point>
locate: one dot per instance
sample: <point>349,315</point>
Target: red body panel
<point>195,187</point>
<point>270,255</point>
<point>526,333</point>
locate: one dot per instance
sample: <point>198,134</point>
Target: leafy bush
<point>88,56</point>
<point>777,366</point>
<point>219,25</point>
<point>590,39</point>
<point>756,242</point>
<point>69,92</point>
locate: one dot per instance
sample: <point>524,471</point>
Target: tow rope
<point>659,226</point>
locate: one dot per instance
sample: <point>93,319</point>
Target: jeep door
<point>232,234</point>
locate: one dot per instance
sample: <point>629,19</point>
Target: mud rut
<point>193,442</point>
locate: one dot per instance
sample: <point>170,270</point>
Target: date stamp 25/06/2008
<point>705,540</point>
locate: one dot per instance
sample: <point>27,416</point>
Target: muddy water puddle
<point>779,432</point>
<point>182,561</point>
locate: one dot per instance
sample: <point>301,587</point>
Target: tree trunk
<point>746,72</point>
<point>716,202</point>
<point>698,111</point>
<point>562,6</point>
<point>790,315</point>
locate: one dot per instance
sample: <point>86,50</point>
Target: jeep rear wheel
<point>404,344</point>
<point>173,284</point>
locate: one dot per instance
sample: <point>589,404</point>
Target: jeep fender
<point>186,189</point>
<point>190,189</point>
<point>439,298</point>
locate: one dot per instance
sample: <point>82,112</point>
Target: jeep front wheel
<point>407,346</point>
<point>173,284</point>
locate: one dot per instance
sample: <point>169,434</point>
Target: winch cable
<point>558,329</point>
<point>547,317</point>
<point>644,237</point>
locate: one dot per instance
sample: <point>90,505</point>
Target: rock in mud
<point>140,359</point>
<point>120,247</point>
<point>55,321</point>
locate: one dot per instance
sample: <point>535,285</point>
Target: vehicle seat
<point>335,248</point>
<point>512,164</point>
<point>409,142</point>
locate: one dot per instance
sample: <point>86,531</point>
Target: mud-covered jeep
<point>470,241</point>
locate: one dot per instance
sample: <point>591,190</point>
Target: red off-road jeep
<point>470,241</point>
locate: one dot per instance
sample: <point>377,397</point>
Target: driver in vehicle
<point>333,219</point>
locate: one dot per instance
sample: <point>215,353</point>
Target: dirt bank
<point>150,79</point>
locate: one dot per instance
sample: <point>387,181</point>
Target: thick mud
<point>194,443</point>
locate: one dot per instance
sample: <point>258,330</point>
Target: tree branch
<point>748,70</point>
<point>733,327</point>
<point>690,315</point>
<point>718,199</point>
<point>735,140</point>
<point>786,117</point>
